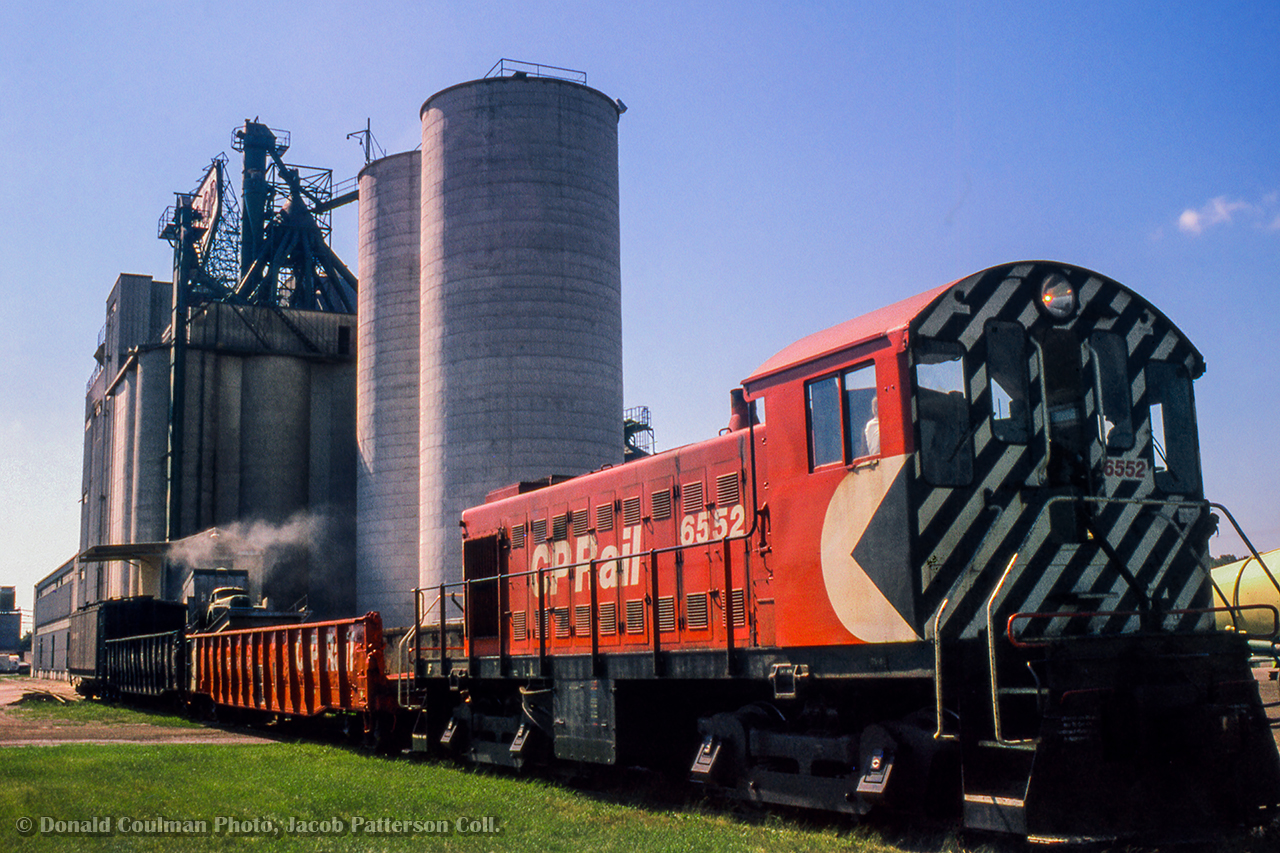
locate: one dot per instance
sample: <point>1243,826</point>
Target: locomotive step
<point>995,813</point>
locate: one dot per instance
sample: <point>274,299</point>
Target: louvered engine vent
<point>635,616</point>
<point>661,501</point>
<point>727,489</point>
<point>691,498</point>
<point>666,613</point>
<point>739,609</point>
<point>608,617</point>
<point>696,615</point>
<point>631,511</point>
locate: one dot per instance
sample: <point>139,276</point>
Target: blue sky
<point>783,168</point>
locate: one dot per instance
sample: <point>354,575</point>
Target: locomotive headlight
<point>1058,297</point>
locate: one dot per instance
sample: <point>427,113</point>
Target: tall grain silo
<point>521,317</point>
<point>387,377</point>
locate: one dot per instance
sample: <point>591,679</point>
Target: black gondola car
<point>92,627</point>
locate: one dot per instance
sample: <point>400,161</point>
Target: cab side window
<point>825,440</point>
<point>1173,428</point>
<point>844,417</point>
<point>942,407</point>
<point>861,412</point>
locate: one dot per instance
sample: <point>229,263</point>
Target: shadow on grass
<point>651,792</point>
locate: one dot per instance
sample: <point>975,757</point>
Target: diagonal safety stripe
<point>965,545</point>
<point>976,619</point>
<point>990,309</point>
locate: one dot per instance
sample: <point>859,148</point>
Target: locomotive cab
<point>1035,513</point>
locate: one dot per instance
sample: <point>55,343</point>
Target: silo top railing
<point>511,67</point>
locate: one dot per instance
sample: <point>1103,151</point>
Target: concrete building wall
<point>268,435</point>
<point>94,481</point>
<point>120,439</point>
<point>10,632</point>
<point>151,446</point>
<point>387,388</point>
<point>521,329</point>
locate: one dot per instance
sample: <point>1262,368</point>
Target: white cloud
<point>1218,211</point>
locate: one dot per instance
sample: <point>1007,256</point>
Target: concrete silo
<point>521,316</point>
<point>387,378</point>
<point>275,431</point>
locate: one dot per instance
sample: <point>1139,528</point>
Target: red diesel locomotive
<point>947,558</point>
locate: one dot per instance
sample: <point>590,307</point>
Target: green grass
<point>278,781</point>
<point>98,712</point>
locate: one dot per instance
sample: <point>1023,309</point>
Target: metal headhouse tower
<point>271,252</point>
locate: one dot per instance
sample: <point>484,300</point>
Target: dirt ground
<point>17,729</point>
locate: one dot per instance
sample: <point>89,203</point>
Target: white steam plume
<point>245,538</point>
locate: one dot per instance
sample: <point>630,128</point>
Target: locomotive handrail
<point>1145,613</point>
<point>591,565</point>
<point>1035,525</point>
<point>1232,606</point>
<point>419,617</point>
<point>991,661</point>
<point>401,659</point>
<point>1090,614</point>
<point>939,733</point>
<point>453,597</point>
<point>1253,553</point>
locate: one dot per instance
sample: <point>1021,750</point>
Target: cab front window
<point>942,406</point>
<point>1111,380</point>
<point>1007,381</point>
